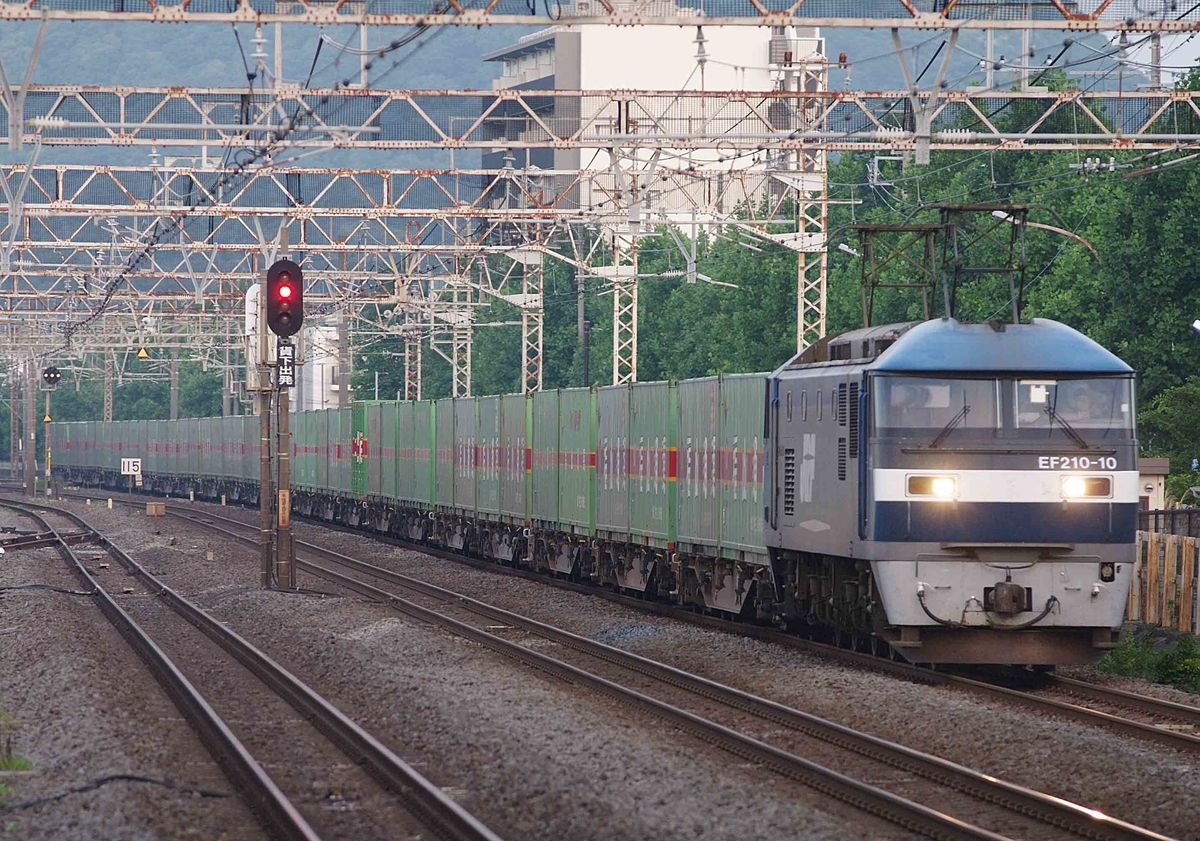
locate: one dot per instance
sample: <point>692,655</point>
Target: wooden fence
<point>1164,581</point>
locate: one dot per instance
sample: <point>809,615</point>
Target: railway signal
<point>51,376</point>
<point>285,298</point>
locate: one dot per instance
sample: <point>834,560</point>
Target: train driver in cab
<point>1082,406</point>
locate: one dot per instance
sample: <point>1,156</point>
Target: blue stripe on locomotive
<point>997,522</point>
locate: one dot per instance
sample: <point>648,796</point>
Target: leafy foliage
<point>1178,666</point>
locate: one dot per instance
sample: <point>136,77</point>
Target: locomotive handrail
<point>997,451</point>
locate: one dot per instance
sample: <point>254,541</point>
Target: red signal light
<point>285,298</point>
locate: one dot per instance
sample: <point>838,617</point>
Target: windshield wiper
<point>1067,428</point>
<point>950,426</point>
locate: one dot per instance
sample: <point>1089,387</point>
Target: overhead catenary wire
<point>235,171</point>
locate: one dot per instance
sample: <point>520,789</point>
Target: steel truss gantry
<point>357,230</point>
<point>730,123</point>
<point>1077,15</point>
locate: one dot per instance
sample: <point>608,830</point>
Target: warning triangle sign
<point>143,353</point>
<point>47,418</point>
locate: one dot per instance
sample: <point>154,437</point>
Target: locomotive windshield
<point>944,410</point>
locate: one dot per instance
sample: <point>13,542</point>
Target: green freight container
<point>466,454</point>
<point>515,418</point>
<point>487,445</point>
<point>387,449</point>
<point>423,452</point>
<point>612,461</point>
<point>248,436</point>
<point>301,455</point>
<point>123,436</point>
<point>209,462</point>
<point>742,465</point>
<point>543,489</point>
<point>698,517</point>
<point>652,441</point>
<point>341,424</point>
<point>323,455</point>
<point>360,450</point>
<point>406,467</point>
<point>575,469</point>
<point>139,440</point>
<point>153,462</point>
<point>372,447</point>
<point>192,426</point>
<point>58,446</point>
<point>228,444</point>
<point>444,444</point>
<point>96,439</point>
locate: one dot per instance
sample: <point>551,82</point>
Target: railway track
<point>221,658</point>
<point>1162,722</point>
<point>912,781</point>
<point>1156,721</point>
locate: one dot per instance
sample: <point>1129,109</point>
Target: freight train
<point>941,491</point>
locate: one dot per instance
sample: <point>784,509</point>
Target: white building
<point>667,59</point>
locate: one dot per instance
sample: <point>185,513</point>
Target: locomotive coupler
<point>1008,599</point>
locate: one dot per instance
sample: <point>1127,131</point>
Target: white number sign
<point>131,467</point>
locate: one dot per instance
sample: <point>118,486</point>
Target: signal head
<point>285,298</point>
<point>51,376</point>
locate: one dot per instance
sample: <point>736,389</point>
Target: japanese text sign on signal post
<point>285,357</point>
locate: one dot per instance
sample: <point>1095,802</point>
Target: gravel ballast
<point>529,755</point>
<point>1141,782</point>
<point>111,756</point>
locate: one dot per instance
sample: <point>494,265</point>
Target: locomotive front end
<point>999,496</point>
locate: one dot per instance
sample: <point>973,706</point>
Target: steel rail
<point>436,811</point>
<point>1072,817</point>
<point>891,807</point>
<point>1075,712</point>
<point>1047,808</point>
<point>278,815</point>
<point>1120,697</point>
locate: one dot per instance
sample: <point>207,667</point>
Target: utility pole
<point>174,369</point>
<point>46,438</point>
<point>1156,61</point>
<point>283,540</point>
<point>14,422</point>
<point>587,353</point>
<point>30,429</point>
<point>262,397</point>
<point>579,302</point>
<point>343,338</point>
<point>226,388</point>
<point>109,363</point>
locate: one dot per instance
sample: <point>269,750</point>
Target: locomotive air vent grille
<point>789,483</point>
<point>853,420</point>
<point>841,458</point>
<point>841,404</point>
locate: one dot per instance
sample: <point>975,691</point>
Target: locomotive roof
<point>1042,346</point>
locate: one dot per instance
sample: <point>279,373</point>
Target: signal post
<point>285,316</point>
<point>51,377</point>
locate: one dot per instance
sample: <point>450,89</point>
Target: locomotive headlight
<point>943,487</point>
<point>1076,487</point>
<point>940,487</point>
